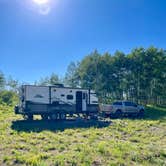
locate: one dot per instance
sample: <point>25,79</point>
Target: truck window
<point>129,104</point>
<point>117,103</point>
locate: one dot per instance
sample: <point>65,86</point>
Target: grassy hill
<point>83,142</point>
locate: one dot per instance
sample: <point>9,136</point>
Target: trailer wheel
<point>28,117</point>
<point>62,116</point>
<point>53,117</point>
<point>44,117</point>
<point>93,117</point>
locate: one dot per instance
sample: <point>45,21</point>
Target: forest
<point>138,76</point>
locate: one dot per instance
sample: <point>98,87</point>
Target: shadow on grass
<point>41,125</point>
<point>151,113</point>
<point>155,113</point>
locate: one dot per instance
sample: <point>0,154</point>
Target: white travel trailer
<point>55,102</point>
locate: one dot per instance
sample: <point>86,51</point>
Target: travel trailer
<point>55,102</point>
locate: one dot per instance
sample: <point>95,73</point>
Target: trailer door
<point>78,101</point>
<point>84,101</point>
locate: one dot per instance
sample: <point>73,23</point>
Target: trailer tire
<point>53,117</point>
<point>62,116</point>
<point>28,117</point>
<point>44,117</point>
<point>93,117</point>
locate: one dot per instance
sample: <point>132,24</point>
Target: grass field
<point>83,142</point>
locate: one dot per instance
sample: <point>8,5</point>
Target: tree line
<point>139,76</point>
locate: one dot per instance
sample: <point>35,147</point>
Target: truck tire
<point>118,114</point>
<point>141,113</point>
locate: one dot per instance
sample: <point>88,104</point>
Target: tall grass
<point>115,142</point>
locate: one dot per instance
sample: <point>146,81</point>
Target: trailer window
<point>95,102</point>
<point>69,97</point>
<point>94,94</point>
<point>117,103</point>
<point>84,96</point>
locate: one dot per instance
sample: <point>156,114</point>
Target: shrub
<point>8,97</point>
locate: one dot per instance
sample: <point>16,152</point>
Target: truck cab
<point>122,108</point>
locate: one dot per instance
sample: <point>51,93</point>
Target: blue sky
<point>36,40</point>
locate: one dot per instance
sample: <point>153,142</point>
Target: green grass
<point>82,142</point>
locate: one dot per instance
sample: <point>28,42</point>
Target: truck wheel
<point>118,114</point>
<point>28,117</point>
<point>141,113</point>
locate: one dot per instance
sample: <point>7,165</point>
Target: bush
<point>8,97</point>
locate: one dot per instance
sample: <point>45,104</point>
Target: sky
<point>38,38</point>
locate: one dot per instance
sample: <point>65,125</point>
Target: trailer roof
<point>54,86</point>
